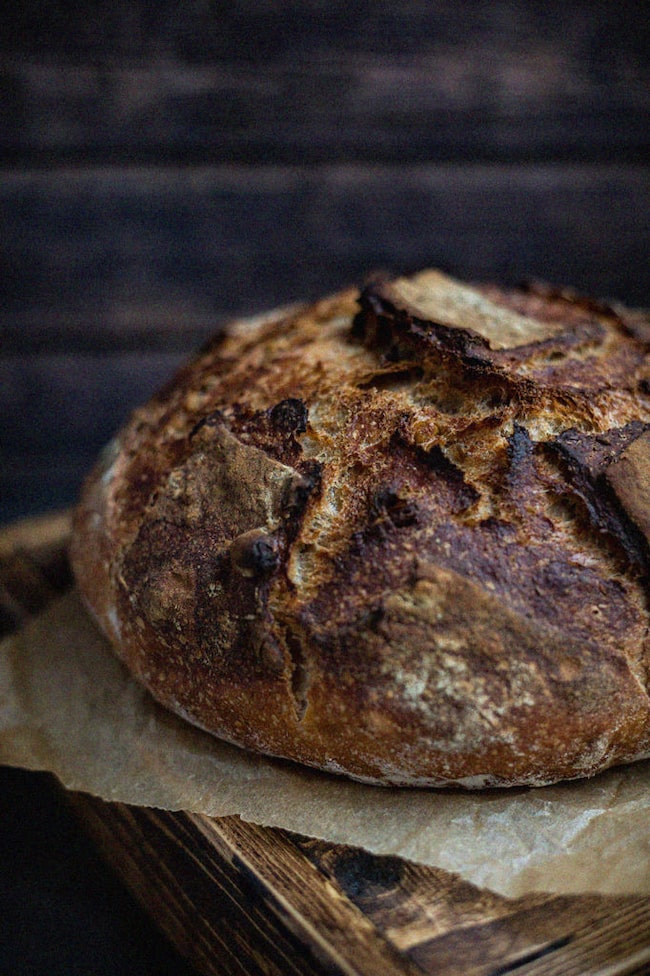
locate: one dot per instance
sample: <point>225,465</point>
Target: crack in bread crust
<point>402,535</point>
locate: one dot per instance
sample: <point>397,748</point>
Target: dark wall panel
<point>158,257</point>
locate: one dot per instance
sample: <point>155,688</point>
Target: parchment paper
<point>68,706</point>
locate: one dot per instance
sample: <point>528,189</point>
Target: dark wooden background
<point>166,165</point>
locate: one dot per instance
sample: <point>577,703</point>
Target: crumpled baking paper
<point>67,705</point>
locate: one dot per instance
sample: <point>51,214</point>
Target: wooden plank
<point>71,404</point>
<point>207,904</point>
<point>33,567</point>
<point>436,920</point>
<point>41,483</point>
<point>366,917</point>
<point>245,900</point>
<point>476,99</point>
<point>57,413</point>
<point>120,249</point>
<point>122,254</point>
<point>44,537</point>
<point>599,32</point>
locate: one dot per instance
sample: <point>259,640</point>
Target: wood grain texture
<point>64,390</point>
<point>572,48</point>
<point>242,899</point>
<point>350,912</point>
<point>482,98</point>
<point>137,257</point>
<point>59,410</point>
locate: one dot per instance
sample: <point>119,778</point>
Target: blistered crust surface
<point>402,535</point>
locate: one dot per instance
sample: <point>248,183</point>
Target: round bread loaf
<point>401,535</point>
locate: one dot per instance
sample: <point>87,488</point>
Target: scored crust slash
<point>401,535</point>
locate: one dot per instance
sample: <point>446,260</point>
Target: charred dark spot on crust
<point>436,461</point>
<point>387,504</point>
<point>211,420</point>
<point>520,477</point>
<point>302,487</point>
<point>370,325</point>
<point>565,348</point>
<point>372,618</point>
<point>300,674</point>
<point>520,445</point>
<point>289,416</point>
<point>590,454</point>
<point>467,346</point>
<point>254,553</point>
<point>585,459</point>
<point>274,430</point>
<point>384,379</point>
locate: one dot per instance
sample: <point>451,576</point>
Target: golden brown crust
<point>402,535</point>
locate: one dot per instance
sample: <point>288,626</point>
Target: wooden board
<point>306,81</point>
<point>236,898</point>
<point>112,259</point>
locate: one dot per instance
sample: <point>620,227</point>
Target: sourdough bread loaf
<point>401,535</point>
